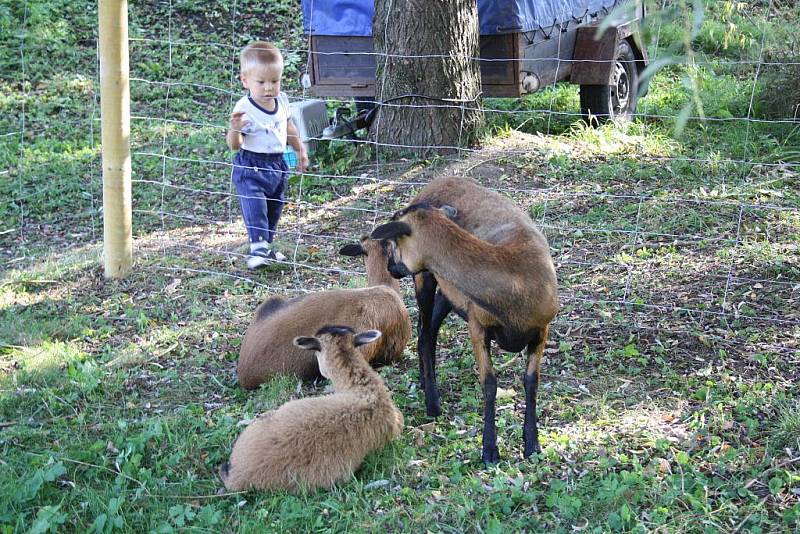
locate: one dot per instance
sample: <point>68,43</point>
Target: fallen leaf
<point>376,484</point>
<point>503,393</point>
<point>664,466</point>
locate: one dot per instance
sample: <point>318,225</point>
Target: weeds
<point>668,398</point>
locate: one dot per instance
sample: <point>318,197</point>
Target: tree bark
<point>446,109</point>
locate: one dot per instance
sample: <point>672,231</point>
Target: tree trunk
<point>445,110</point>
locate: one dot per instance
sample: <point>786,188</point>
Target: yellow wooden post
<point>115,111</point>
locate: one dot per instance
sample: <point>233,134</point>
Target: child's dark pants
<point>260,181</point>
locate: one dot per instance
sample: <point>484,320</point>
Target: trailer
<point>525,45</point>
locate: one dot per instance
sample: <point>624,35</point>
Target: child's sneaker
<point>260,257</point>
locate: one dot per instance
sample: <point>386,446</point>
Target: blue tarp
<point>354,17</point>
<point>506,16</point>
<point>338,17</point>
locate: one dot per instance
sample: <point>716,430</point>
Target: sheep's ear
<point>366,337</point>
<point>391,230</point>
<point>308,343</point>
<point>450,211</point>
<point>352,249</point>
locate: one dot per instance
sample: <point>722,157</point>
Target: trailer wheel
<point>617,100</point>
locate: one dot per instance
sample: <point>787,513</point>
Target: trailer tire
<point>617,100</point>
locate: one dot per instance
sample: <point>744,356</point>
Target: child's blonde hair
<point>259,54</point>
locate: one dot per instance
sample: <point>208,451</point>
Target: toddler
<point>260,127</point>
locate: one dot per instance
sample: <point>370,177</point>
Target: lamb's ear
<point>450,211</point>
<point>352,249</point>
<point>308,343</point>
<point>366,337</point>
<point>391,230</point>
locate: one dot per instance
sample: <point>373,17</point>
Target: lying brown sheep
<point>316,442</point>
<point>267,348</point>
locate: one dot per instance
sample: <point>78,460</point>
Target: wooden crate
<point>342,66</point>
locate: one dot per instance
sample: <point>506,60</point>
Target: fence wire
<point>603,240</point>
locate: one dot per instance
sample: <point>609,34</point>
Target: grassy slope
<point>118,400</point>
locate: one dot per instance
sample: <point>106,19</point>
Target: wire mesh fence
<point>687,239</point>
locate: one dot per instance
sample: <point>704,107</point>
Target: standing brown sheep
<point>267,348</point>
<point>317,442</point>
<point>492,266</point>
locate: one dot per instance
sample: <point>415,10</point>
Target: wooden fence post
<point>115,110</point>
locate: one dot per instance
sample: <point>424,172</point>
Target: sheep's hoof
<point>490,456</point>
<point>531,449</point>
<point>433,408</point>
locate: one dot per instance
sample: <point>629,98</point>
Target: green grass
<point>669,395</point>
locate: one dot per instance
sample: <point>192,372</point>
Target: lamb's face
<point>372,247</point>
<point>334,347</point>
<point>323,359</point>
<point>330,342</point>
<point>336,351</point>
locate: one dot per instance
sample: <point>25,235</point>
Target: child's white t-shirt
<point>266,131</point>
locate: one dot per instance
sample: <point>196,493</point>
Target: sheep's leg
<point>481,343</point>
<point>441,307</point>
<point>530,430</point>
<point>433,308</point>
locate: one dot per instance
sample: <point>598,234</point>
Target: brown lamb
<point>267,349</point>
<point>492,266</point>
<point>317,442</point>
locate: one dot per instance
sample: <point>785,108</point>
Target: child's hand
<point>239,120</point>
<point>302,161</point>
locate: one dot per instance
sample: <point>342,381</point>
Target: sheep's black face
<point>395,264</point>
<point>398,270</point>
<point>395,235</point>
